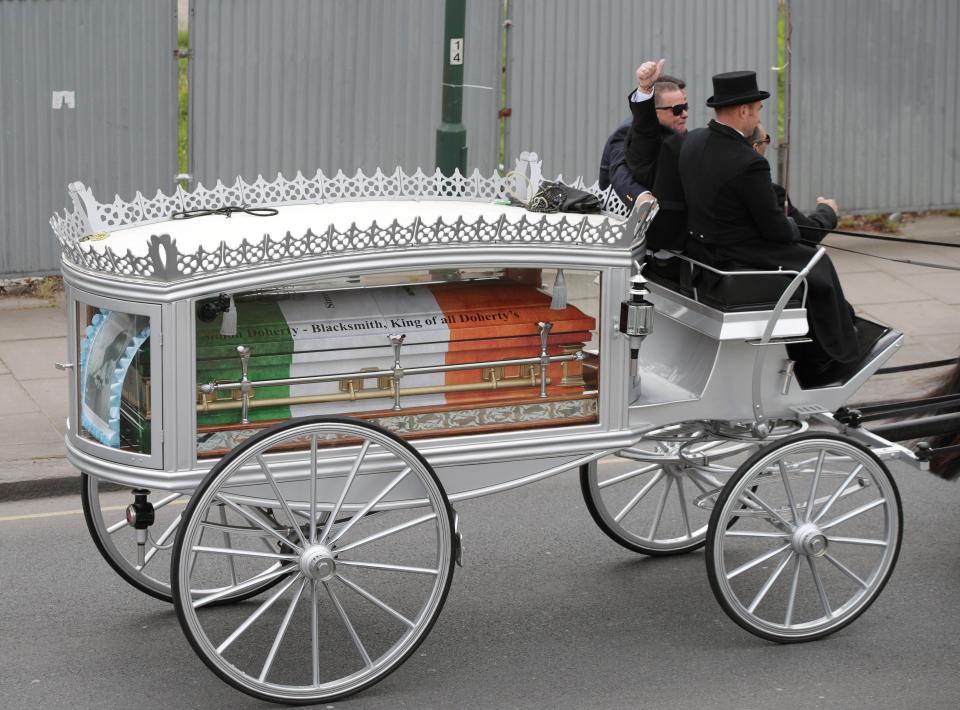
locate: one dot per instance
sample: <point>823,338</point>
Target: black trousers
<point>829,314</point>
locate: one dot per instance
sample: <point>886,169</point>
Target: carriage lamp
<point>636,321</point>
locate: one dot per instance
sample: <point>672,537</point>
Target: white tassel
<point>559,301</point>
<point>228,325</point>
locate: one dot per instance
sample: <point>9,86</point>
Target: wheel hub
<point>809,540</point>
<point>318,563</point>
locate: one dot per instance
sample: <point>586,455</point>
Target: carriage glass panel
<point>114,376</point>
<point>340,328</point>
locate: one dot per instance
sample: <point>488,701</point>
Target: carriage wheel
<point>817,538</point>
<point>116,541</point>
<point>661,505</point>
<point>367,550</point>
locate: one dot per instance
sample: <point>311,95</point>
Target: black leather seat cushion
<point>734,293</point>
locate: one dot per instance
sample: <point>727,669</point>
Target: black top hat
<point>734,88</point>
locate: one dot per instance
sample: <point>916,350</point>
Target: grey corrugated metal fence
<point>573,65</point>
<point>293,85</point>
<point>115,127</point>
<point>876,99</point>
<point>282,85</point>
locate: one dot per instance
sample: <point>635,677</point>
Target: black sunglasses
<point>677,110</point>
<point>762,141</point>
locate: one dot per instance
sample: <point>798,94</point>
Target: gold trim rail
<point>247,386</point>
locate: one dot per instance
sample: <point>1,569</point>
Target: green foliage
<point>183,43</point>
<point>781,75</point>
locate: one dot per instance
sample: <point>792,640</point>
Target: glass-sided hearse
<point>293,382</point>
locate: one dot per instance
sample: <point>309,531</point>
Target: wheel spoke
<point>853,513</point>
<point>226,543</point>
<point>659,514</point>
<point>639,496</point>
<point>366,509</point>
<point>816,479</point>
<point>770,582</point>
<point>282,501</point>
<point>389,531</point>
<point>696,473</point>
<point>821,592</point>
<point>235,552</point>
<point>377,602</point>
<point>255,581</point>
<point>628,475</point>
<point>392,568</point>
<point>837,493</point>
<point>164,536</point>
<point>343,494</point>
<point>282,631</point>
<point>314,634</point>
<point>786,485</point>
<point>346,622</point>
<point>846,570</point>
<point>258,612</point>
<point>683,507</point>
<point>858,541</point>
<point>756,561</point>
<point>313,489</point>
<point>255,519</point>
<point>770,511</point>
<point>792,599</point>
<point>755,533</point>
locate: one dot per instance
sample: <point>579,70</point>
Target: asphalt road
<point>546,613</point>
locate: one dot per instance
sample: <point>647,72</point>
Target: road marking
<point>61,513</point>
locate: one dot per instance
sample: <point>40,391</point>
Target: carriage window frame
<point>79,299</point>
<point>411,276</point>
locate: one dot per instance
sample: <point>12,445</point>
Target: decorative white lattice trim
<point>165,262</point>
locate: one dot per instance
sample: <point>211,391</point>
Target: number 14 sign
<point>456,51</point>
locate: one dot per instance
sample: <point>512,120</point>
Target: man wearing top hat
<point>734,222</point>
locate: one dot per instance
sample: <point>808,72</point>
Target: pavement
<point>922,302</point>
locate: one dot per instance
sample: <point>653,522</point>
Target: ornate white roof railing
<point>164,261</point>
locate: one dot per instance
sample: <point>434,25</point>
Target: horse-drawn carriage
<point>295,394</point>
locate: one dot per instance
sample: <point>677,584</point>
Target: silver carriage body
<point>708,385</point>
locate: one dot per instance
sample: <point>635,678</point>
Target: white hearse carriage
<point>296,381</point>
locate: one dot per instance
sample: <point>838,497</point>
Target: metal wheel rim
<point>399,649</point>
<point>788,564</point>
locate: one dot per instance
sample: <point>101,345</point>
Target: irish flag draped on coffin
<point>348,331</point>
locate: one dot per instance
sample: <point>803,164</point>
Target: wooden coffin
<point>348,331</point>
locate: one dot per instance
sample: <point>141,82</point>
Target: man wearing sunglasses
<point>613,163</point>
<point>660,110</point>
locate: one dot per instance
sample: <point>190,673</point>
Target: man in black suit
<point>614,170</point>
<point>734,221</point>
<point>659,109</point>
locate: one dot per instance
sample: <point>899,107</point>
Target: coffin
<point>347,331</point>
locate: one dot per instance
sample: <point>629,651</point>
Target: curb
<point>40,488</point>
<point>37,478</point>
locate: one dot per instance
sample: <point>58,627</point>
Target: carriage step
<point>807,410</point>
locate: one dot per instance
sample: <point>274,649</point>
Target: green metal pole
<point>452,134</point>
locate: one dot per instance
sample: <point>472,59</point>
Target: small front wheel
<point>817,536</point>
<point>355,528</point>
